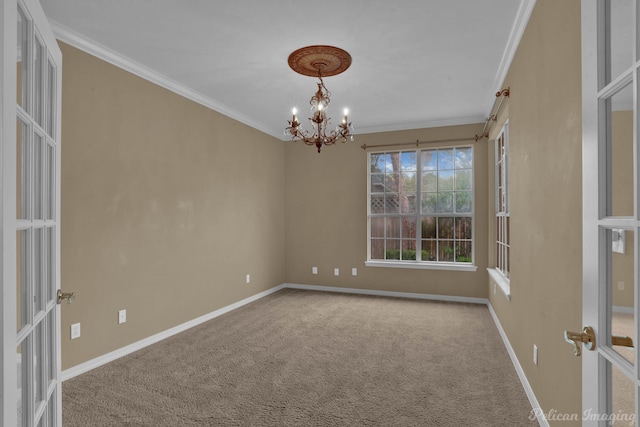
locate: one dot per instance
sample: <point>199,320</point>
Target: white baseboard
<point>387,293</point>
<point>523,378</point>
<point>116,354</point>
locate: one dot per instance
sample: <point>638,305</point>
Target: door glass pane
<point>38,82</point>
<point>38,175</point>
<point>620,37</point>
<point>22,282</point>
<point>621,290</point>
<point>51,98</point>
<point>21,391</point>
<point>622,400</point>
<point>22,95</point>
<point>38,276</point>
<point>50,182</point>
<point>50,367</point>
<point>22,170</point>
<point>49,262</point>
<point>620,182</point>
<point>38,364</point>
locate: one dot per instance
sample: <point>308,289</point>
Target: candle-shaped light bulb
<point>346,112</point>
<point>294,111</point>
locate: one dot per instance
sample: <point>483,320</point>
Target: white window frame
<point>419,264</point>
<point>502,242</point>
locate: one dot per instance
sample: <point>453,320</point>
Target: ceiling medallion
<point>319,61</point>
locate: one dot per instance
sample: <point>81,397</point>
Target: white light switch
<point>336,271</point>
<point>314,270</point>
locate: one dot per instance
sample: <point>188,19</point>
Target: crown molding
<point>93,48</point>
<point>517,30</point>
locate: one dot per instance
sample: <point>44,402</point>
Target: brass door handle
<point>587,336</point>
<point>69,296</point>
<point>622,341</point>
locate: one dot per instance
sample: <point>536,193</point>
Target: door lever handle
<point>622,341</point>
<point>70,296</point>
<point>587,337</point>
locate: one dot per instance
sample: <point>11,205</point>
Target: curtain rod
<point>418,142</point>
<point>504,93</point>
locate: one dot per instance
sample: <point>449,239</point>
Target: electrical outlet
<point>621,286</point>
<point>336,271</point>
<point>248,278</point>
<point>122,316</point>
<point>535,355</point>
<point>314,270</point>
<point>354,271</point>
<point>75,331</point>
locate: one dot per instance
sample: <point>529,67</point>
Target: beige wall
<point>544,112</point>
<point>326,214</point>
<point>166,206</point>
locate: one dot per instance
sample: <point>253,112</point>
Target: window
<point>502,202</point>
<point>421,208</point>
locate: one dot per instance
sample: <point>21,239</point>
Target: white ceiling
<point>416,63</point>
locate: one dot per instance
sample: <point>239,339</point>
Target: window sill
<point>502,282</point>
<point>422,265</point>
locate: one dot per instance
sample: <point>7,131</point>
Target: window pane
<point>463,228</point>
<point>408,203</point>
<point>445,202</point>
<point>38,282</point>
<point>445,228</point>
<point>464,158</point>
<point>429,182</point>
<point>38,176</point>
<point>409,228</point>
<point>409,182</point>
<point>429,160</point>
<point>409,161</point>
<point>393,249</point>
<point>377,227</point>
<point>391,203</point>
<point>377,249</point>
<point>429,250</point>
<point>393,227</point>
<point>463,201</point>
<point>377,183</point>
<point>429,227</point>
<point>445,252</point>
<point>429,202</point>
<point>376,163</point>
<point>463,180</point>
<point>463,251</point>
<point>445,180</point>
<point>391,182</point>
<point>445,159</point>
<point>409,250</point>
<point>377,203</point>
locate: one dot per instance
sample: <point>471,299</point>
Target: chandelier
<point>319,61</point>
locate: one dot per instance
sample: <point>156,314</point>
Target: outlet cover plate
<point>122,316</point>
<point>75,331</point>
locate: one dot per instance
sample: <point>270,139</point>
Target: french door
<point>30,190</point>
<point>611,216</point>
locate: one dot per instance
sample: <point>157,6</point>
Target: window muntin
<point>503,245</point>
<point>421,206</point>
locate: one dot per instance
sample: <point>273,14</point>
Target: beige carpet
<point>303,358</point>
